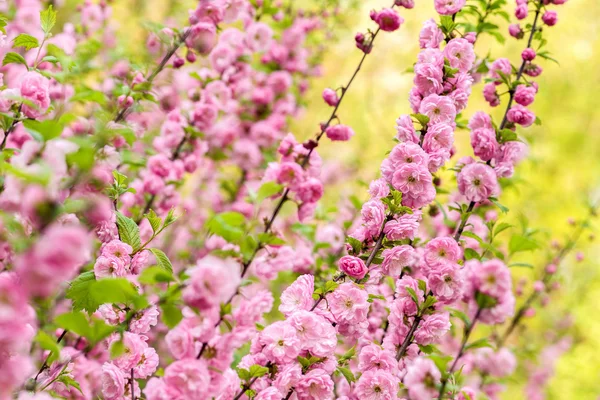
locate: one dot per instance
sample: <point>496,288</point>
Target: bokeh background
<point>555,183</point>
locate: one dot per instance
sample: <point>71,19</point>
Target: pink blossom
<point>406,130</point>
<point>528,54</point>
<point>339,132</point>
<point>270,393</point>
<point>113,382</point>
<point>259,36</point>
<point>297,296</point>
<point>404,227</point>
<point>550,18</point>
<point>460,54</point>
<point>387,19</point>
<point>348,304</point>
<point>520,115</point>
<point>189,378</point>
<point>280,343</point>
<point>315,385</point>
<point>376,385</point>
<point>212,281</point>
<point>446,283</point>
<point>438,109</point>
<point>412,179</point>
<point>422,378</point>
<point>484,143</point>
<point>431,35</point>
<point>491,95</point>
<point>373,215</point>
<point>442,251</point>
<point>477,182</point>
<point>428,78</point>
<point>373,357</point>
<point>108,266</point>
<point>35,89</point>
<point>330,97</point>
<point>432,328</point>
<point>448,7</point>
<point>398,258</point>
<point>438,137</point>
<point>500,65</point>
<point>315,333</point>
<point>525,95</point>
<point>354,267</point>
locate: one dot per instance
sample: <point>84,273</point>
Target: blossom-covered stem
<point>324,127</point>
<point>461,352</point>
<point>367,263</point>
<point>121,115</point>
<point>463,221</point>
<point>522,67</point>
<point>546,277</point>
<point>511,92</point>
<point>408,338</point>
<point>45,364</point>
<point>11,128</point>
<point>152,198</point>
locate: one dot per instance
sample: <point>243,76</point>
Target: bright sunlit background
<point>552,185</point>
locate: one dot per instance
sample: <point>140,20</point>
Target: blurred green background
<point>560,174</point>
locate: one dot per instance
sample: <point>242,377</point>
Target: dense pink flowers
<point>477,182</point>
<point>354,267</point>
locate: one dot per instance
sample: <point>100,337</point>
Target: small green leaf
<point>412,294</point>
<point>117,348</point>
<point>48,19</point>
<point>519,264</point>
<point>348,374</point>
<point>14,58</point>
<point>502,208</point>
<point>162,260</point>
<point>483,342</point>
<point>171,315</point>
<point>256,371</point>
<point>154,220</point>
<point>520,243</point>
<point>117,290</point>
<point>267,190</point>
<point>47,342</point>
<point>422,118</point>
<point>79,292</point>
<point>129,231</point>
<point>155,274</point>
<point>27,41</point>
<point>47,130</point>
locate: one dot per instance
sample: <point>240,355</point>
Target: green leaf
<point>413,295</point>
<point>485,301</point>
<point>79,292</point>
<point>27,41</point>
<point>117,290</point>
<point>86,95</point>
<point>67,380</point>
<point>256,371</point>
<point>483,342</point>
<point>520,243</point>
<point>227,225</point>
<point>48,19</point>
<point>47,342</point>
<point>506,135</point>
<point>75,322</point>
<point>502,208</point>
<point>460,315</point>
<point>355,243</point>
<point>422,118</point>
<point>14,58</point>
<point>267,190</point>
<point>501,227</point>
<point>244,374</point>
<point>269,238</point>
<point>171,315</point>
<point>129,231</point>
<point>117,348</point>
<point>471,254</point>
<point>155,274</point>
<point>47,130</point>
<point>348,374</point>
<point>162,260</point>
<point>519,264</point>
<point>154,220</point>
